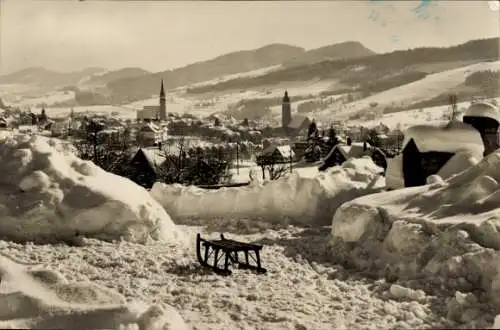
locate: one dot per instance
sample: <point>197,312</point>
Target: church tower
<point>163,103</point>
<point>286,111</point>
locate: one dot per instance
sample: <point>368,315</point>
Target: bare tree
<point>190,165</point>
<point>276,171</point>
<point>271,165</point>
<point>109,153</point>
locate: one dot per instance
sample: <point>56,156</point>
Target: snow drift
<point>299,199</point>
<point>447,231</point>
<point>49,195</point>
<point>33,297</point>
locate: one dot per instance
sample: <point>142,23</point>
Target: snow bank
<point>459,162</point>
<point>302,200</point>
<point>447,231</point>
<point>48,195</point>
<point>32,297</point>
<point>452,137</point>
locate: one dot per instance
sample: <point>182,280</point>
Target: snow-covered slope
<point>46,194</point>
<point>34,297</point>
<point>421,90</point>
<point>448,231</point>
<point>248,74</point>
<point>299,199</point>
<point>48,99</point>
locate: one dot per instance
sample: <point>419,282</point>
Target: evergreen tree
<point>42,118</point>
<point>332,137</point>
<point>312,129</point>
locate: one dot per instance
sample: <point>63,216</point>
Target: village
<point>210,151</point>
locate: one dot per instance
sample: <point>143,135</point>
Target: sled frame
<point>229,251</point>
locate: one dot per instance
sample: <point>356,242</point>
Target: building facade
<point>154,112</point>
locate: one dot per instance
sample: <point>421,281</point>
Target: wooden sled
<point>229,251</point>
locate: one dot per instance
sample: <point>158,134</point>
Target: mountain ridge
<point>142,83</point>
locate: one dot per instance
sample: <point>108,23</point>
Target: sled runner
<point>229,251</point>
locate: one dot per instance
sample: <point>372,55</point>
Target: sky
<point>69,35</point>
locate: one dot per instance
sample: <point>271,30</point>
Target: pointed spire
<point>286,98</point>
<point>162,90</point>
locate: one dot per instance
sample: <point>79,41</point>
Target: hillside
<point>435,87</point>
<point>107,77</point>
<point>237,62</point>
<point>241,61</point>
<point>349,49</point>
<point>358,71</point>
<point>38,76</point>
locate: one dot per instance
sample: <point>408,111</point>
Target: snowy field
<point>324,296</point>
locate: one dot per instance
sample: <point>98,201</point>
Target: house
<point>299,148</point>
<point>148,113</point>
<point>150,135</point>
<point>276,155</point>
<point>144,166</point>
<point>340,153</point>
<point>428,150</point>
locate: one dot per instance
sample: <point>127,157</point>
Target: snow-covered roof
<point>285,151</point>
<point>483,109</point>
<point>150,127</point>
<point>155,157</point>
<point>453,137</point>
<point>355,150</point>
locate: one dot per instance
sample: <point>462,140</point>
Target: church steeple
<point>163,103</point>
<point>286,111</point>
<point>162,90</point>
<point>286,98</point>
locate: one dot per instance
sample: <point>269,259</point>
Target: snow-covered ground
<point>445,233</point>
<point>36,297</point>
<point>324,296</point>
